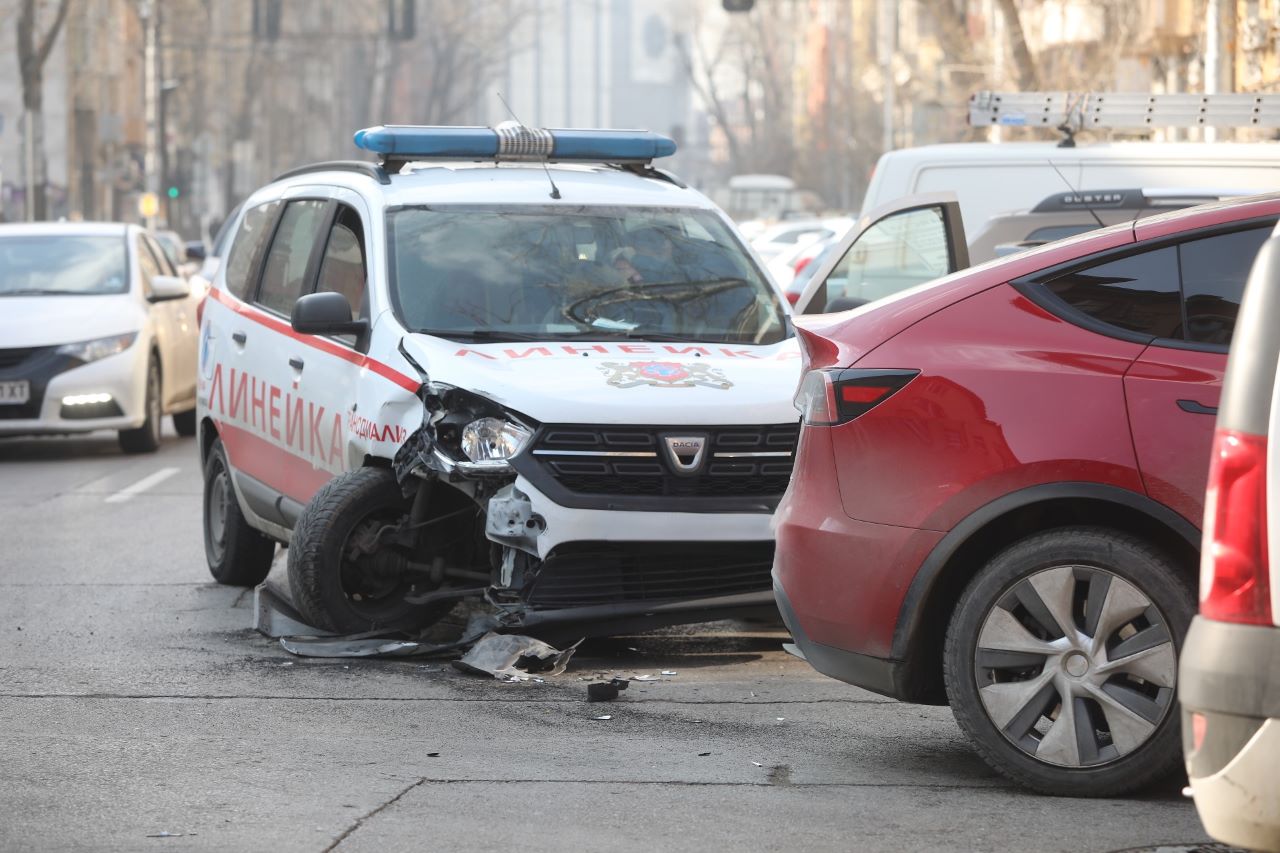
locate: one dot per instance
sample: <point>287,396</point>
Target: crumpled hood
<point>611,382</point>
<point>37,321</point>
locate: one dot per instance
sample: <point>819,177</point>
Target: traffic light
<point>174,191</point>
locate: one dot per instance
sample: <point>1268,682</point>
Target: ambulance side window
<point>246,249</point>
<point>342,268</point>
<point>290,253</point>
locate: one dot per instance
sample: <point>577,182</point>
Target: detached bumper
<point>1229,686</point>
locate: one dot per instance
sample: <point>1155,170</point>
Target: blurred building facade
<point>813,90</point>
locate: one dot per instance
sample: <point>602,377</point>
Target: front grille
<point>14,357</point>
<point>586,574</point>
<point>739,461</point>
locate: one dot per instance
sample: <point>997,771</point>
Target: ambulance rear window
<point>585,272</point>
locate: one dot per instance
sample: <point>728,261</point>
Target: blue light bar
<point>509,141</point>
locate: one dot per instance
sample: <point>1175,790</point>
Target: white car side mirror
<point>165,287</point>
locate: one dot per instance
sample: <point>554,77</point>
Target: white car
<point>506,362</point>
<point>96,332</point>
<point>1229,679</point>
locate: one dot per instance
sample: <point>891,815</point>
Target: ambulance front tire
<point>332,592</point>
<point>238,555</point>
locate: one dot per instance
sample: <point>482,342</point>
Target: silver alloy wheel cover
<point>216,513</point>
<point>153,403</point>
<point>1095,685</point>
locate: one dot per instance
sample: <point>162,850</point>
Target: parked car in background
<point>1229,683</point>
<point>98,332</point>
<point>1066,214</point>
<point>1026,172</point>
<point>1000,480</point>
<point>785,237</point>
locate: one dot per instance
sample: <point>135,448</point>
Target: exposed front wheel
<point>1061,662</point>
<point>348,570</point>
<point>146,438</point>
<point>238,555</point>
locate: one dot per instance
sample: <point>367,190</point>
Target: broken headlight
<point>492,442</point>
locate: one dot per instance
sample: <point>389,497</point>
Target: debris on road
<point>703,754</point>
<point>513,657</point>
<point>605,717</point>
<point>644,678</point>
<point>166,834</point>
<point>606,691</point>
<point>669,672</point>
<point>387,644</point>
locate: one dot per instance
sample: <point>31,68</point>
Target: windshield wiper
<point>482,334</point>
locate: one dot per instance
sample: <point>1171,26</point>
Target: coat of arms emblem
<point>664,374</point>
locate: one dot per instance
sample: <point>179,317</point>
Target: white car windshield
<point>36,265</point>
<point>524,273</point>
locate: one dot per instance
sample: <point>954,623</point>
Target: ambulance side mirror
<point>326,313</point>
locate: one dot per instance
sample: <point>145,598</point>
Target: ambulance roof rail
<point>1072,112</point>
<point>372,170</point>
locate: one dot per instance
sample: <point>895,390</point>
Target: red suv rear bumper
<point>840,582</point>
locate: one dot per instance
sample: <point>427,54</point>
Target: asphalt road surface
<point>138,711</point>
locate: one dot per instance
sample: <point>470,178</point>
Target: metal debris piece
<point>605,717</point>
<point>433,755</point>
<point>513,657</point>
<point>757,764</point>
<point>165,834</point>
<point>669,672</point>
<point>703,754</point>
<point>606,691</point>
<point>387,644</point>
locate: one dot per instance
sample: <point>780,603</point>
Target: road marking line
<point>142,485</point>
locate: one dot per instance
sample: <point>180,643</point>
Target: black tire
<point>1103,746</point>
<point>238,555</point>
<point>184,423</point>
<point>146,438</point>
<point>328,589</point>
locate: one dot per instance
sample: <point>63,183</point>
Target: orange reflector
<point>1199,724</point>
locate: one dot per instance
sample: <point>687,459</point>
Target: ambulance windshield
<point>524,273</point>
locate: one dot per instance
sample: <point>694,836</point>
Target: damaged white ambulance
<point>510,363</point>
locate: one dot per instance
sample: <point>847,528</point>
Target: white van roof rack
<point>1071,112</point>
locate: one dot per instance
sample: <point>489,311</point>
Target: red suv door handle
<point>1196,408</point>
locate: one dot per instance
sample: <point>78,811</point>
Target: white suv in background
<point>507,362</point>
<point>96,332</point>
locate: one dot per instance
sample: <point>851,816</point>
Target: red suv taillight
<point>830,397</point>
<point>1235,573</point>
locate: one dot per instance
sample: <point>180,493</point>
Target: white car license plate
<point>15,393</point>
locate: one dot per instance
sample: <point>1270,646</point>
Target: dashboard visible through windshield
<point>524,273</point>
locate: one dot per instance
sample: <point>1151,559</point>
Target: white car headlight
<point>88,351</point>
<point>493,441</point>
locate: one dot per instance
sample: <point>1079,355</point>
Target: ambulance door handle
<point>296,363</point>
<point>239,337</point>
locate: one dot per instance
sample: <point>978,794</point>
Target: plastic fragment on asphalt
<point>757,764</point>
<point>166,834</point>
<point>433,755</point>
<point>780,719</point>
<point>645,678</point>
<point>513,657</point>
<point>605,717</point>
<point>703,754</point>
<point>669,672</point>
<point>605,691</point>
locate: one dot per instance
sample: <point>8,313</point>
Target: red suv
<point>1000,479</point>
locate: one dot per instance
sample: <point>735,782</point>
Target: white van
<point>994,178</point>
